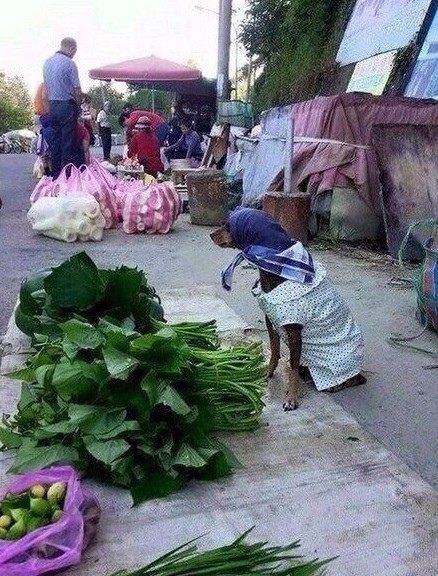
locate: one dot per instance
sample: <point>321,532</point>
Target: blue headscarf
<point>266,244</point>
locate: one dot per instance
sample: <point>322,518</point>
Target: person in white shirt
<point>104,122</point>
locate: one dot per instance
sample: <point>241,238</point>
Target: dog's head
<point>222,236</point>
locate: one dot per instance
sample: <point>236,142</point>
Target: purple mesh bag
<point>58,545</point>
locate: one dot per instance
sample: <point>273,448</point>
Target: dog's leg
<point>274,342</point>
<point>294,341</point>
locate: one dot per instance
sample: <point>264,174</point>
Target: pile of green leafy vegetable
<point>119,393</point>
<point>238,558</point>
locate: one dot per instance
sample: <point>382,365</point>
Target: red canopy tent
<point>157,74</point>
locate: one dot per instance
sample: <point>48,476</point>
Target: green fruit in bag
<point>5,521</point>
<point>38,491</point>
<point>19,513</point>
<point>57,515</point>
<point>34,523</point>
<point>56,492</point>
<point>40,507</point>
<point>17,530</point>
<point>12,501</point>
<point>3,533</point>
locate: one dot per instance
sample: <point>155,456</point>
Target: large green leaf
<point>69,380</point>
<point>220,447</point>
<point>25,374</point>
<point>217,467</point>
<point>32,457</point>
<point>83,335</point>
<point>80,412</point>
<point>163,351</point>
<point>119,364</point>
<point>9,439</point>
<point>63,428</point>
<point>44,374</point>
<point>152,384</point>
<point>156,484</point>
<point>94,370</point>
<point>103,421</point>
<point>106,451</point>
<point>188,457</point>
<point>122,287</point>
<point>126,327</point>
<point>75,283</point>
<point>27,396</point>
<point>121,470</point>
<point>34,282</point>
<point>27,323</point>
<point>170,397</point>
<point>146,448</point>
<point>123,428</point>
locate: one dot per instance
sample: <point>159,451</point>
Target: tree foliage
<point>145,98</point>
<point>140,98</point>
<point>15,104</point>
<point>296,42</point>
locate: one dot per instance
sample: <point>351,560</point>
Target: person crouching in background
<point>146,147</point>
<point>189,144</point>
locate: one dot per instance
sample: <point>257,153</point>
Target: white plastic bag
<point>67,218</point>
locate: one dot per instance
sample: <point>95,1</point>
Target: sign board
<point>372,74</point>
<point>424,79</point>
<point>378,26</point>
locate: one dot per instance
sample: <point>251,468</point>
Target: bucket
<point>291,211</point>
<point>208,197</point>
<point>427,286</point>
<point>181,164</point>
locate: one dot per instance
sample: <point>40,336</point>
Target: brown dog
<point>222,237</point>
<point>268,281</point>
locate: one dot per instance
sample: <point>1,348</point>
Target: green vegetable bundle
<point>25,512</point>
<point>123,396</point>
<point>78,288</point>
<point>238,558</point>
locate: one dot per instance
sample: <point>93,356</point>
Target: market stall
<point>197,94</point>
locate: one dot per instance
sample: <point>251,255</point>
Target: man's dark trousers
<point>63,134</point>
<point>105,134</point>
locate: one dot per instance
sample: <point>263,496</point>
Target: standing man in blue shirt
<point>64,94</point>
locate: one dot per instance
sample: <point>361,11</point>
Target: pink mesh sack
<point>68,182</point>
<point>153,210</point>
<point>85,180</point>
<point>44,187</point>
<point>107,177</point>
<point>58,545</point>
<point>111,181</point>
<point>95,184</point>
<point>125,188</point>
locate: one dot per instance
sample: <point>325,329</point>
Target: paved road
<point>398,405</point>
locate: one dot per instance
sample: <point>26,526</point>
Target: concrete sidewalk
<point>313,474</point>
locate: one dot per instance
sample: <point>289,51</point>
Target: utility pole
<point>248,80</point>
<point>223,54</point>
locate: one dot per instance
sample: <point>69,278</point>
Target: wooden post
<point>288,157</point>
<point>289,207</point>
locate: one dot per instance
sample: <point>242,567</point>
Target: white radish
<point>96,234</point>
